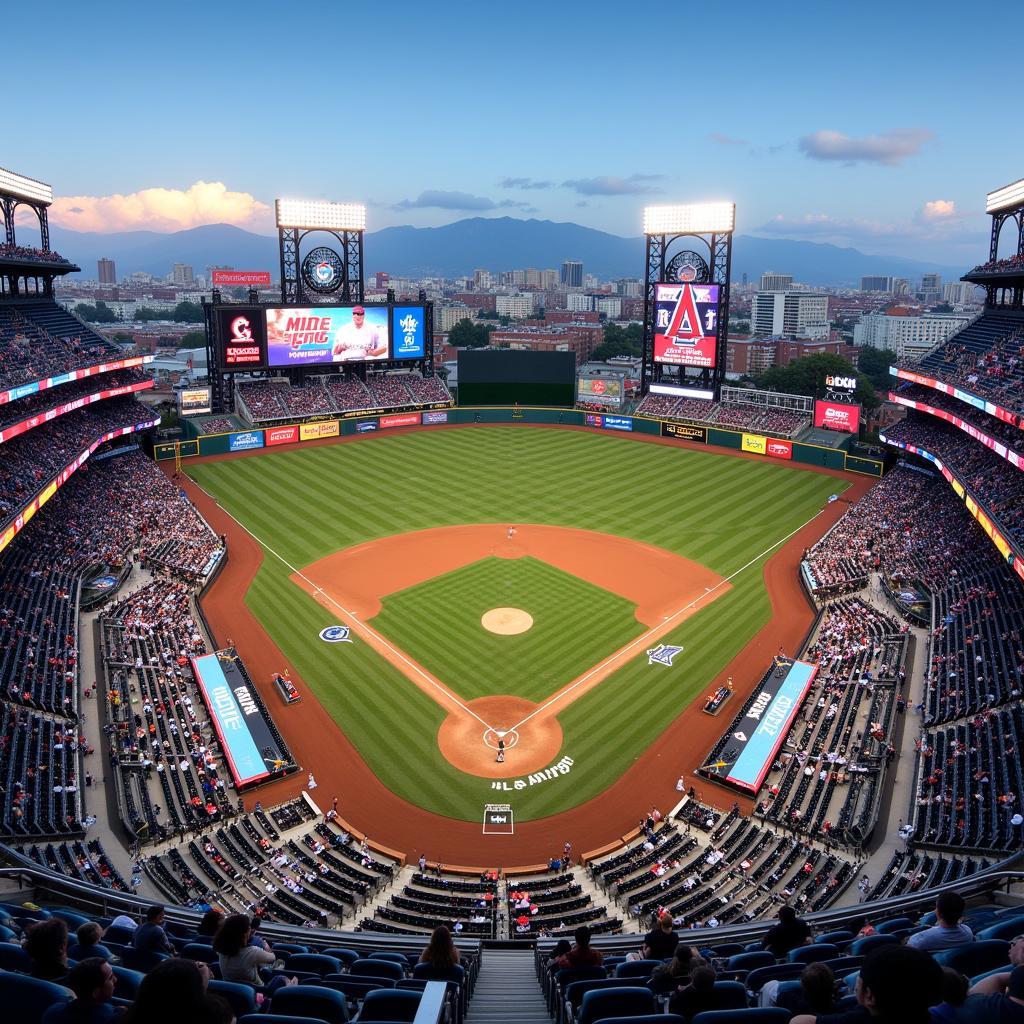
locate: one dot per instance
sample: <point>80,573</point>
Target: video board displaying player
<point>307,336</point>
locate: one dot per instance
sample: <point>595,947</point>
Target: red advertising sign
<point>837,416</point>
<point>253,278</point>
<point>402,419</point>
<point>281,435</point>
<point>779,449</point>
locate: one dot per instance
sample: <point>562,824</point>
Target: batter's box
<point>499,820</point>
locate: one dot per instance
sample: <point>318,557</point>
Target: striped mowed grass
<point>305,503</point>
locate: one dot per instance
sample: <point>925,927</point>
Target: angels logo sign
<point>686,324</point>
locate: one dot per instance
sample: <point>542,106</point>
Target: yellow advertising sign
<point>311,431</point>
<point>755,443</point>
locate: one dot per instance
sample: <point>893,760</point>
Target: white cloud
<point>162,209</point>
<point>938,209</point>
<point>887,148</point>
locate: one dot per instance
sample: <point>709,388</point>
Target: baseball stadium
<point>630,693</point>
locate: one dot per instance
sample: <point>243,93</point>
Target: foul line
<point>644,637</point>
<point>400,655</point>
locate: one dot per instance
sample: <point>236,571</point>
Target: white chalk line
<point>645,637</point>
<point>352,615</point>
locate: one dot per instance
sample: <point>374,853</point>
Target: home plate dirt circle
<point>506,621</point>
<point>472,747</point>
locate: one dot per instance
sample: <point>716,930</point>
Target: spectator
<point>789,933</point>
<point>581,955</point>
<point>440,952</point>
<point>954,993</point>
<point>88,943</point>
<point>46,943</point>
<point>174,992</point>
<point>660,943</point>
<point>997,999</point>
<point>947,932</point>
<point>211,922</point>
<point>239,960</point>
<point>150,937</point>
<point>92,980</point>
<point>675,975</point>
<point>816,995</point>
<point>896,985</point>
<point>696,996</point>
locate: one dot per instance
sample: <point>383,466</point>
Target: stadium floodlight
<point>18,185</point>
<point>1002,198</point>
<point>694,218</point>
<point>311,213</point>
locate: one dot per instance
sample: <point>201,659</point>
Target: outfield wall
<point>288,435</point>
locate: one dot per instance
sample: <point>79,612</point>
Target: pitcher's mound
<point>506,621</point>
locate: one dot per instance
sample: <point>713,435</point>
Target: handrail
<point>103,901</point>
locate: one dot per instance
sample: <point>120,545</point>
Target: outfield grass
<point>575,625</point>
<point>306,503</point>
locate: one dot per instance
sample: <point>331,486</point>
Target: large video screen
<point>262,337</point>
<point>600,390</point>
<point>686,324</point>
<point>314,335</point>
<point>837,416</point>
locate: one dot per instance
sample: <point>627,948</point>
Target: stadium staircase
<point>507,990</point>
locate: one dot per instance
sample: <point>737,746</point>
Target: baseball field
<point>502,589</point>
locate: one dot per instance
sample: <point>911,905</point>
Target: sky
<point>873,125</point>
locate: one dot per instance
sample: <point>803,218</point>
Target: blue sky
<point>867,124</point>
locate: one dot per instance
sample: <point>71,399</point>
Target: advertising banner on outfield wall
<point>281,435</point>
<point>778,448</point>
<point>311,431</point>
<point>609,422</point>
<point>435,417</point>
<point>837,416</point>
<point>755,443</point>
<point>684,432</point>
<point>400,419</point>
<point>366,426</point>
<point>245,440</point>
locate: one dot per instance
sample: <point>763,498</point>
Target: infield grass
<point>306,503</point>
<point>575,625</point>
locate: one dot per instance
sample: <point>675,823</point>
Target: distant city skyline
<point>846,126</point>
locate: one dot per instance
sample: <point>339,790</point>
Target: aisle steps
<point>507,990</point>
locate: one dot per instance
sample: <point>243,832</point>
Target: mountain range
<point>494,243</point>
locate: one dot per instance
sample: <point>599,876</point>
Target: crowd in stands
<point>997,484</point>
<point>768,420</point>
<point>42,401</point>
<point>985,358</point>
<point>218,425</point>
<point>28,252</point>
<point>1015,262</point>
<point>31,460</point>
<point>30,350</point>
<point>338,394</point>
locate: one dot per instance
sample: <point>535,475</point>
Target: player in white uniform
<point>358,339</point>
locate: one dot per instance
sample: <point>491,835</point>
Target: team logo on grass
<point>335,635</point>
<point>662,654</point>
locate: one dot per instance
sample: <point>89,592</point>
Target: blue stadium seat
<point>395,958</point>
<point>728,949</point>
<point>631,1000</point>
<point>346,956</point>
<point>284,949</point>
<point>241,998</point>
<point>750,1015</point>
<point>14,958</point>
<point>313,963</point>
<point>729,995</point>
<point>750,961</point>
<point>142,960</point>
<point>198,951</point>
<point>647,1018</point>
<point>637,968</point>
<point>7,934</point>
<point>353,989</point>
<point>310,1001</point>
<point>1004,930</point>
<point>376,969</point>
<point>25,999</point>
<point>977,958</point>
<point>119,934</point>
<point>427,972</point>
<point>127,981</point>
<point>814,953</point>
<point>894,924</point>
<point>842,938</point>
<point>868,944</point>
<point>262,1018</point>
<point>390,1005</point>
